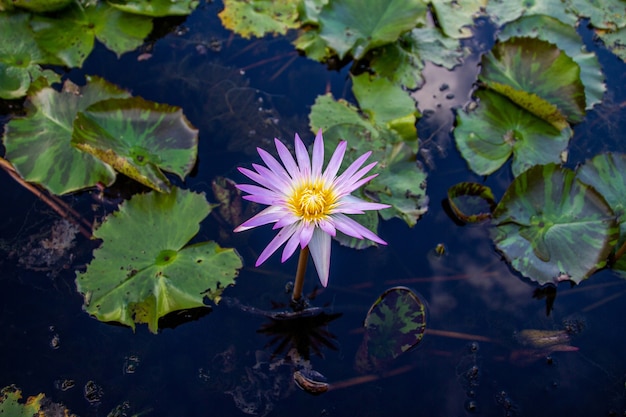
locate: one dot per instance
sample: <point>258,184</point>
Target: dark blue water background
<point>469,290</point>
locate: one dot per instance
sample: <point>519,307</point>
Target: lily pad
<point>386,104</point>
<point>156,8</point>
<point>20,57</point>
<point>402,62</point>
<point>70,36</point>
<point>11,406</point>
<point>503,11</point>
<point>537,76</point>
<point>138,138</point>
<point>41,6</point>
<point>471,202</point>
<point>497,129</point>
<point>401,183</point>
<point>38,145</point>
<point>614,41</point>
<point>551,227</point>
<point>260,17</point>
<point>605,173</point>
<point>143,270</point>
<point>457,17</point>
<point>567,39</point>
<point>357,26</point>
<point>394,324</point>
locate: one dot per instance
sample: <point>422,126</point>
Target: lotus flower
<point>307,205</point>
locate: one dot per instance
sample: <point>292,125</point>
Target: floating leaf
<point>10,405</point>
<point>497,128</point>
<point>394,324</point>
<point>604,14</point>
<point>143,270</point>
<point>156,8</point>
<point>386,104</point>
<point>401,182</point>
<point>456,17</point>
<point>20,57</point>
<point>138,138</point>
<point>356,26</point>
<point>565,37</point>
<point>260,17</point>
<point>41,6</point>
<point>504,11</point>
<point>402,62</point>
<point>605,173</point>
<point>551,227</point>
<point>70,36</point>
<point>471,202</point>
<point>614,41</point>
<point>38,145</point>
<point>537,76</point>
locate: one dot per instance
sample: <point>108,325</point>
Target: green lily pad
<point>457,17</point>
<point>400,183</point>
<point>11,406</point>
<point>605,173</point>
<point>402,62</point>
<point>551,227</point>
<point>567,39</point>
<point>497,128</point>
<point>537,76</point>
<point>614,41</point>
<point>20,57</point>
<point>70,36</point>
<point>143,270</point>
<point>386,104</point>
<point>471,202</point>
<point>260,17</point>
<point>604,14</point>
<point>156,8</point>
<point>138,138</point>
<point>357,26</point>
<point>394,324</point>
<point>41,6</point>
<point>38,145</point>
<point>503,11</point>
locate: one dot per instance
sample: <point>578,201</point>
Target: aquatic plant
<point>306,204</point>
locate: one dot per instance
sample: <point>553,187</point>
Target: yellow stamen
<point>312,200</point>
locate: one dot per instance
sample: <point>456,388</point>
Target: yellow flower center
<point>311,201</point>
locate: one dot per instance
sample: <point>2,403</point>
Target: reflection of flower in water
<point>300,332</point>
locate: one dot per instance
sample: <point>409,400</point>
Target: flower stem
<point>299,284</point>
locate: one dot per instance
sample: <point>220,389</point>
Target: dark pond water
<point>241,94</point>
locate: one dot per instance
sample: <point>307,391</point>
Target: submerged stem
<point>299,284</point>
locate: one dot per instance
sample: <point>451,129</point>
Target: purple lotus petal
<point>327,227</point>
<point>320,252</point>
<point>273,164</point>
<point>345,221</point>
<point>356,202</point>
<point>270,182</point>
<point>280,238</point>
<point>306,231</point>
<point>335,161</point>
<point>318,155</point>
<point>268,215</point>
<point>290,247</point>
<point>287,159</point>
<point>302,156</point>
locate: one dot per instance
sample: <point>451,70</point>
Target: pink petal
<point>347,188</point>
<point>280,238</point>
<point>350,202</point>
<point>269,215</point>
<point>302,156</point>
<point>290,247</point>
<point>347,184</point>
<point>271,182</point>
<point>327,227</point>
<point>273,164</point>
<point>287,219</point>
<point>279,182</point>
<point>349,172</point>
<point>353,228</point>
<point>320,252</point>
<point>318,155</point>
<point>306,231</point>
<point>335,161</point>
<point>287,159</point>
